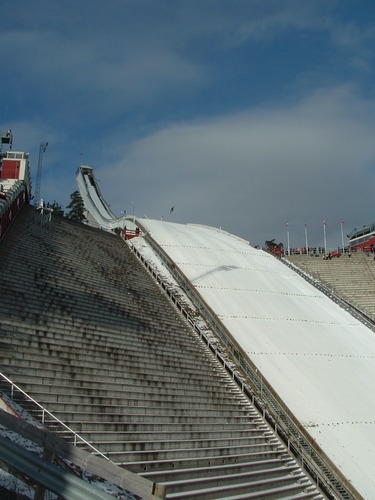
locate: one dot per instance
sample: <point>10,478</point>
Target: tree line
<point>74,211</point>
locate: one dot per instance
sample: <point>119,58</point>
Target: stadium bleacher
<point>88,334</point>
<point>351,277</point>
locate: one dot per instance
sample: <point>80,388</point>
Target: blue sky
<point>242,114</point>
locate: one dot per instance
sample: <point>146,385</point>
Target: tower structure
<point>42,150</point>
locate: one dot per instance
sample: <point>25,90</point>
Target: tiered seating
<point>351,278</point>
<point>95,341</point>
<point>11,189</point>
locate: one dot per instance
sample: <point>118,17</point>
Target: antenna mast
<point>5,138</point>
<point>42,150</point>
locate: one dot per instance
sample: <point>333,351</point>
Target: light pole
<point>307,246</point>
<point>123,217</point>
<point>42,150</point>
<point>287,237</point>
<point>325,238</point>
<point>342,235</point>
<point>133,212</point>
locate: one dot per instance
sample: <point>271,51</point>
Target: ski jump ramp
<point>318,358</point>
<point>98,211</point>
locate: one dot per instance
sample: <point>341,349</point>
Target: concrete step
<point>183,474</point>
<point>61,334</point>
<point>129,388</point>
<point>176,435</point>
<point>87,428</point>
<point>118,446</point>
<point>19,370</point>
<point>183,453</point>
<point>117,359</point>
<point>230,478</point>
<point>127,418</point>
<point>254,456</point>
<point>148,406</point>
<point>267,488</point>
<point>115,349</point>
<point>136,392</point>
<point>82,358</point>
<point>127,412</point>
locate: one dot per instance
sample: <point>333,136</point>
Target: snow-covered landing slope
<point>319,359</point>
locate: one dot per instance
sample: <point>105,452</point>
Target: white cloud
<point>252,172</point>
<point>118,70</point>
<point>119,57</point>
<point>89,80</point>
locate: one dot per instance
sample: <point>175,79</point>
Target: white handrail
<point>76,436</point>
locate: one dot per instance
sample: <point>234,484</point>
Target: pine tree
<point>56,207</point>
<point>76,208</point>
<point>272,247</point>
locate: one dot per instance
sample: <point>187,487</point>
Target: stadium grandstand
<point>363,239</point>
<point>15,181</point>
<point>149,359</point>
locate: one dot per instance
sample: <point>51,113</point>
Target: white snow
<point>318,358</point>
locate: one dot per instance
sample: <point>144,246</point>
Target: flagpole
<point>307,246</point>
<point>325,238</point>
<point>342,235</point>
<point>133,212</point>
<point>287,233</point>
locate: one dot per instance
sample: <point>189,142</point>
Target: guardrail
<point>60,480</point>
<point>311,457</point>
<point>43,216</point>
<point>13,388</point>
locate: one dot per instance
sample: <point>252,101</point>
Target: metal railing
<point>50,476</point>
<point>61,478</point>
<point>43,216</point>
<point>76,438</point>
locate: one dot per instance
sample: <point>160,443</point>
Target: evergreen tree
<point>275,248</point>
<point>56,207</point>
<point>76,208</point>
